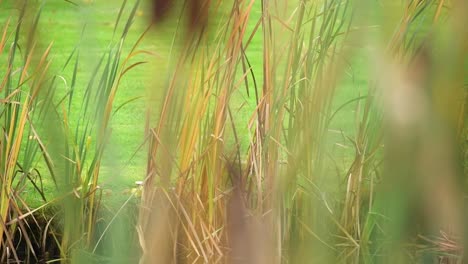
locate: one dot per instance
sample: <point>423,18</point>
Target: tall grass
<point>38,119</point>
<point>223,186</point>
<point>257,204</point>
<point>25,71</point>
<point>83,141</point>
<point>274,198</point>
<point>413,132</point>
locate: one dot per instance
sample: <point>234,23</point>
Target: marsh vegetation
<point>294,131</point>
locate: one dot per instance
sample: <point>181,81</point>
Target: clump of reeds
<point>239,165</point>
<point>41,128</point>
<point>279,187</point>
<point>25,66</point>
